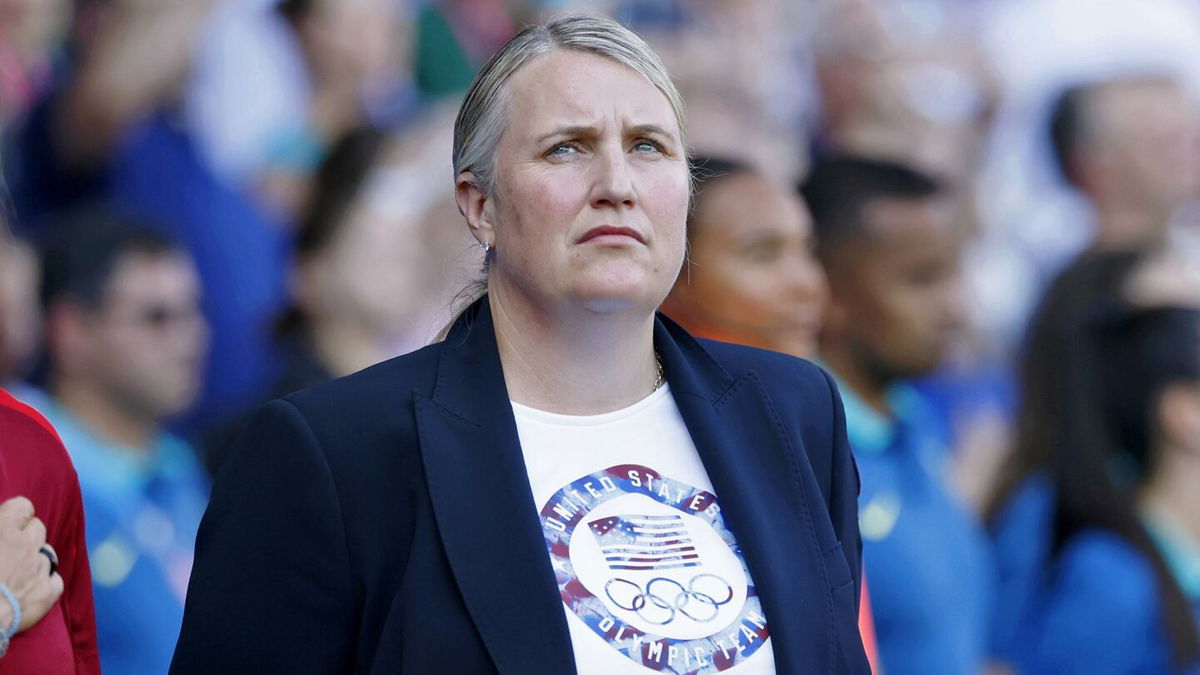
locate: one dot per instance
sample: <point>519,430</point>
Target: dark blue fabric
<point>383,522</point>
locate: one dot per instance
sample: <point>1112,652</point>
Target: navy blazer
<point>384,523</point>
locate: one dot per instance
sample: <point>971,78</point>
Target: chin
<point>633,292</point>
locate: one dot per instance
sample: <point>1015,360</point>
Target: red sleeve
<point>34,463</point>
<point>7,401</point>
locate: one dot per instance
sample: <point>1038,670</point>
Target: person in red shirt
<point>57,632</point>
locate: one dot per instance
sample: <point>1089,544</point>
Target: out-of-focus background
<point>216,202</point>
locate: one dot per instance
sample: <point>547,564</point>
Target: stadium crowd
<point>981,217</point>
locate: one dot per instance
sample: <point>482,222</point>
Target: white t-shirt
<point>652,579</point>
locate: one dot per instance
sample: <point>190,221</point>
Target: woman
<point>566,483</point>
<point>373,273</point>
<point>1096,528</point>
<point>751,277</point>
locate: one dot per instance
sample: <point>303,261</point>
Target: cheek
<point>538,203</point>
<point>735,289</point>
<point>665,200</point>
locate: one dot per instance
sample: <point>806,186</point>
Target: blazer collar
<point>488,520</point>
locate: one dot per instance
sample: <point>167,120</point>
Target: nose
<point>612,184</point>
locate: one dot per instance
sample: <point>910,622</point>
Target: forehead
<point>143,275</point>
<point>749,205</point>
<point>567,87</point>
<point>1125,103</point>
<point>902,224</point>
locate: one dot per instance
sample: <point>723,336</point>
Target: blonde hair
<point>485,111</point>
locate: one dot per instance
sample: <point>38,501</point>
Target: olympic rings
<point>692,584</point>
<point>633,606</point>
<point>685,595</point>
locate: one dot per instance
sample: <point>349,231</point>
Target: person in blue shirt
<point>126,343</point>
<point>1100,523</point>
<point>886,237</point>
<point>1021,510</point>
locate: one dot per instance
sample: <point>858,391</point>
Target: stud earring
<point>486,246</point>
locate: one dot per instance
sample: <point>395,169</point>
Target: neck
<point>1172,489</point>
<point>100,413</point>
<point>872,390</point>
<point>576,363</point>
<point>1123,226</point>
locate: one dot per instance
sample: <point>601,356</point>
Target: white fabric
<point>648,571</point>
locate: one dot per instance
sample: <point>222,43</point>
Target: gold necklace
<point>659,379</point>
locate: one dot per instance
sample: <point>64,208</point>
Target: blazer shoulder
<point>371,389</point>
<point>367,406</point>
<point>780,373</point>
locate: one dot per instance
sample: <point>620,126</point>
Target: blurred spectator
<point>890,247</point>
<point>41,505</point>
<point>1059,479</point>
<point>1034,224</point>
<point>1132,147</point>
<point>750,275</point>
<point>111,133</point>
<point>377,261</point>
<point>126,343</point>
<point>1101,502</point>
<point>902,80</point>
<point>19,311</point>
<point>29,35</point>
<point>277,83</point>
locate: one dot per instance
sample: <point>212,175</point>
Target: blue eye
<point>647,146</point>
<point>562,149</point>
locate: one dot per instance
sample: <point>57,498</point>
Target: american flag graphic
<point>640,542</point>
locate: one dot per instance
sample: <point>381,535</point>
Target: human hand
<point>24,569</point>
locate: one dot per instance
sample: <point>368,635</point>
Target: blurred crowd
<point>981,216</point>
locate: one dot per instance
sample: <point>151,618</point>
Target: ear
<point>476,206</point>
<point>1179,414</point>
<point>67,335</point>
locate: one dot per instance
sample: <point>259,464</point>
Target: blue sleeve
<point>1100,615</point>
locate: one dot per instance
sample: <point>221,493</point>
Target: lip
<point>609,230</point>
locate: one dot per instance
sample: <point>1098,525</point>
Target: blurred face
<point>376,272</point>
<point>591,192</point>
<point>897,289</point>
<point>146,342</point>
<point>752,277</point>
<point>349,41</point>
<point>1152,142</point>
<point>19,312</point>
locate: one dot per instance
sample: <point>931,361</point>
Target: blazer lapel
<point>754,470</point>
<point>484,508</point>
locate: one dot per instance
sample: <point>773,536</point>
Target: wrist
<point>11,612</point>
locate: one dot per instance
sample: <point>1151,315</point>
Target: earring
<point>486,246</point>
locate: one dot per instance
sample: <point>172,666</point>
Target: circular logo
<point>649,565</point>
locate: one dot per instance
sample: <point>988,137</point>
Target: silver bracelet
<point>7,633</point>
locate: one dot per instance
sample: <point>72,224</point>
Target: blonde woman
<point>568,482</point>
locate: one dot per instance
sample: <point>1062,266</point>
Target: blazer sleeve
<point>843,497</point>
<point>271,589</point>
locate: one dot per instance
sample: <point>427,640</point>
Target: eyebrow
<point>587,130</point>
